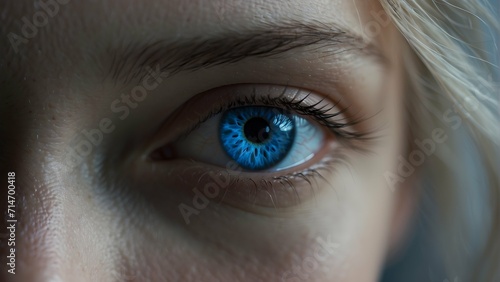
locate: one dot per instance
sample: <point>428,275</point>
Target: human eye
<point>260,138</point>
<point>272,139</point>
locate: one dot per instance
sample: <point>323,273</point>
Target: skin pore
<point>115,213</point>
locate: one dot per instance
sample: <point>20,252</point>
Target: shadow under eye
<point>266,193</point>
<point>271,193</point>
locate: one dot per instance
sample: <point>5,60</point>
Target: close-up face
<point>223,140</point>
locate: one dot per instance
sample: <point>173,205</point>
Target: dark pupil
<point>256,130</point>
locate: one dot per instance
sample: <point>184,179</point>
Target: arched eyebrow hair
<point>129,60</point>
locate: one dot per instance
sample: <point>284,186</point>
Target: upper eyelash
<point>319,114</point>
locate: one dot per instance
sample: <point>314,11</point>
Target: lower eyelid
<point>277,192</point>
<point>262,195</point>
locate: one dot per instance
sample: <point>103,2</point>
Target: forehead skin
<point>48,92</point>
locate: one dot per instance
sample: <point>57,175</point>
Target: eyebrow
<point>129,62</point>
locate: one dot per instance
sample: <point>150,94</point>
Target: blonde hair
<point>449,70</point>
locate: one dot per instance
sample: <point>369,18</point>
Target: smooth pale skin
<point>75,226</point>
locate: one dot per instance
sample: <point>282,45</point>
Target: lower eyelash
<point>310,177</point>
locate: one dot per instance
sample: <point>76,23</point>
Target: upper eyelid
<point>129,63</point>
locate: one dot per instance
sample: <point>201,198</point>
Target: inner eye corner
<point>162,153</point>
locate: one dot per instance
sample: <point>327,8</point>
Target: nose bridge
<point>55,241</point>
<point>38,212</point>
<point>61,234</point>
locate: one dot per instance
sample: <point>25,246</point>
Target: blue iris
<point>257,137</point>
